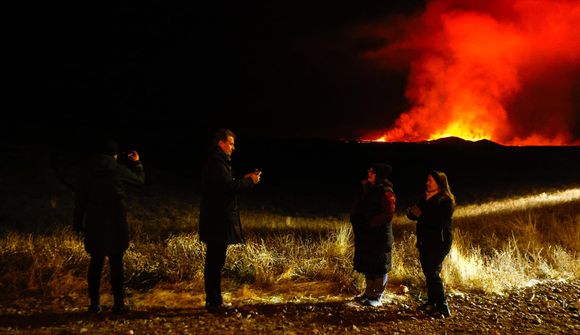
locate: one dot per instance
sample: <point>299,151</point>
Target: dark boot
<point>120,309</point>
<point>360,298</point>
<point>94,309</point>
<point>445,309</point>
<point>441,309</point>
<point>223,308</point>
<point>426,307</point>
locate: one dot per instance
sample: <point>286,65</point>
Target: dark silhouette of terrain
<point>319,176</point>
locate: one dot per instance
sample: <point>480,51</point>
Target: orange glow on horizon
<point>498,70</point>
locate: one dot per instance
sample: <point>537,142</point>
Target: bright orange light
<point>496,70</point>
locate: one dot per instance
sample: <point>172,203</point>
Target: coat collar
<point>220,153</point>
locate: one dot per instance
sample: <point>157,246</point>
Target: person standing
<point>433,214</point>
<point>219,217</point>
<point>373,232</point>
<point>100,213</point>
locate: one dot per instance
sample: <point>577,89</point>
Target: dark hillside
<point>310,175</point>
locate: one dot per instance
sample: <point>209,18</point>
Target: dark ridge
<point>457,141</point>
<point>488,143</point>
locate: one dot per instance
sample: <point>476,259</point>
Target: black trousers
<point>215,258</point>
<point>431,263</point>
<point>94,278</point>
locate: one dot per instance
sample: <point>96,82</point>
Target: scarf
<point>428,194</point>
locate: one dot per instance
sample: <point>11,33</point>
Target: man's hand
<point>133,156</point>
<point>255,176</point>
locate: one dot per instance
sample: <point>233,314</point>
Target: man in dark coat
<point>219,217</point>
<point>373,232</point>
<point>100,212</point>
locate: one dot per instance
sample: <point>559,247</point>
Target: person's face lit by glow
<point>227,146</point>
<point>431,184</point>
<point>371,176</point>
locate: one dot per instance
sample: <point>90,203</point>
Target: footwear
<point>444,309</point>
<point>120,309</point>
<point>360,298</point>
<point>441,309</point>
<point>373,302</point>
<point>94,309</point>
<point>426,307</point>
<point>222,308</point>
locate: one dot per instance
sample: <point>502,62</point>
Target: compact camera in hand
<point>133,155</point>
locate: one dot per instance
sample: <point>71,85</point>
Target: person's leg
<point>117,281</point>
<point>215,259</point>
<point>94,281</point>
<point>375,289</point>
<point>428,270</point>
<point>438,289</point>
<point>363,297</point>
<point>432,265</point>
<point>435,283</point>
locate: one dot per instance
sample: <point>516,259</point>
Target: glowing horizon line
<point>519,203</point>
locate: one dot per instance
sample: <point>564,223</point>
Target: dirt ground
<point>545,308</point>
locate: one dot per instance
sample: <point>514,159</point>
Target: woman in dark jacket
<point>373,234</point>
<point>433,214</point>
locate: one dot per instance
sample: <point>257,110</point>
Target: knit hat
<point>382,170</point>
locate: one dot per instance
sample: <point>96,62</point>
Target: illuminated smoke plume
<point>507,71</point>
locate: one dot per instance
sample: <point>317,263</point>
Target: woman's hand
<point>414,211</point>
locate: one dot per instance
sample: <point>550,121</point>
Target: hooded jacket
<point>100,207</point>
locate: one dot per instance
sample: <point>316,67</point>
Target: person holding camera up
<point>219,216</point>
<point>101,214</point>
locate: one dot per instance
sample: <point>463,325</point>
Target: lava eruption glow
<point>503,70</point>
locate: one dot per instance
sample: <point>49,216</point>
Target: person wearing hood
<point>371,217</point>
<point>219,216</point>
<point>100,213</point>
<point>433,214</point>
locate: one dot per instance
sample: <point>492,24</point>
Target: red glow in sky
<point>498,70</point>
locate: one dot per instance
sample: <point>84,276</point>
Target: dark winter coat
<point>219,217</point>
<point>434,224</point>
<point>100,209</point>
<point>373,231</point>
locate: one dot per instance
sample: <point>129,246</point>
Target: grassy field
<point>498,246</point>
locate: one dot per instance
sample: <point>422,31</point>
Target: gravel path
<point>545,308</point>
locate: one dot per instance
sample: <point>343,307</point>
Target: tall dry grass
<point>496,247</point>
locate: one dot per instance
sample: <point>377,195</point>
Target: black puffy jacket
<point>371,218</point>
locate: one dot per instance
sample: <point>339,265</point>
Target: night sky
<point>272,68</point>
<point>300,69</point>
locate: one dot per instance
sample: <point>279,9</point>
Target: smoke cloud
<point>507,71</point>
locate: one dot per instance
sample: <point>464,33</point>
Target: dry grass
<point>497,246</point>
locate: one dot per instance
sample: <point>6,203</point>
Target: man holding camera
<point>219,218</point>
